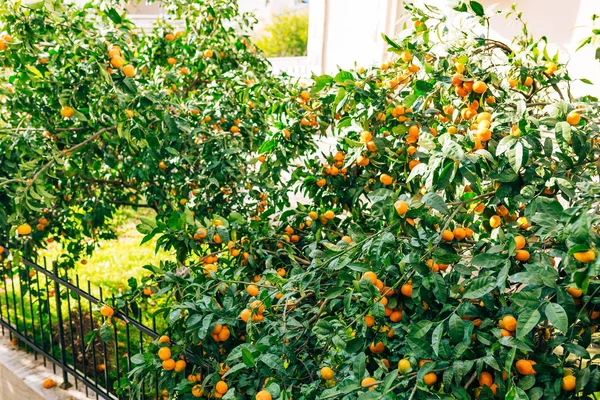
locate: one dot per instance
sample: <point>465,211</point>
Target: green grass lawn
<point>115,261</point>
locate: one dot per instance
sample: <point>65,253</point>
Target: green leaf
<point>516,393</point>
<point>487,260</point>
<point>563,134</point>
<point>321,82</point>
<point>515,157</point>
<point>333,292</point>
<point>557,316</point>
<point>505,143</point>
<point>234,369</point>
<point>456,328</point>
<point>436,338</point>
<point>359,366</point>
<point>267,146</point>
<point>477,8</point>
<point>577,350</point>
<point>423,86</point>
<point>389,380</point>
<point>35,71</point>
<point>527,298</point>
<point>391,42</point>
<point>171,124</point>
<point>106,332</point>
<point>527,320</point>
<point>272,361</point>
<point>203,331</point>
<point>114,16</point>
<point>420,347</point>
<point>342,76</point>
<point>248,358</point>
<point>434,200</point>
<point>138,359</point>
<point>479,286</point>
<point>441,256</point>
<point>530,278</point>
<point>420,329</point>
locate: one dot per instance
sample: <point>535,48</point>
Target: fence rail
<point>49,313</point>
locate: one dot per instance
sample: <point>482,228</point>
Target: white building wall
<point>565,24</point>
<point>348,32</point>
<point>345,32</point>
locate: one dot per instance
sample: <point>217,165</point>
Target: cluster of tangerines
<point>263,202</point>
<point>220,333</point>
<point>403,78</point>
<point>169,37</point>
<point>169,364</point>
<point>118,62</point>
<point>394,315</point>
<point>309,119</point>
<point>335,169</point>
<point>256,309</point>
<point>165,355</point>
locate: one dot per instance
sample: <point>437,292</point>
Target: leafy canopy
<point>444,248</point>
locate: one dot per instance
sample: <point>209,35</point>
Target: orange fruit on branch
<point>509,322</point>
<point>180,365</point>
<point>525,367</point>
<point>430,379</point>
<point>197,391</point>
<point>129,70</point>
<point>164,339</point>
<point>221,387</point>
<point>485,379</point>
<point>522,255</point>
<point>569,383</point>
<point>573,118</point>
<point>263,395</point>
<point>252,290</point>
<point>67,112</point>
<point>327,373</point>
<point>403,366</point>
<point>401,207</point>
<point>585,256</point>
<point>107,311</point>
<point>520,242</point>
<point>447,235</point>
<point>24,229</point>
<point>386,179</point>
<point>495,221</point>
<point>479,87</point>
<point>117,62</point>
<point>369,382</point>
<point>164,353</point>
<point>377,348</point>
<point>168,365</point>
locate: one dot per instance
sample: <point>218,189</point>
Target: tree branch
<point>62,153</point>
<point>471,379</point>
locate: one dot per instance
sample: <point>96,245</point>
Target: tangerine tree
<point>98,114</point>
<point>444,249</point>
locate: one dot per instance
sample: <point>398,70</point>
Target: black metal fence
<point>49,313</point>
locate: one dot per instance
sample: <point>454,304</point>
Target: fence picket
<point>51,343</point>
